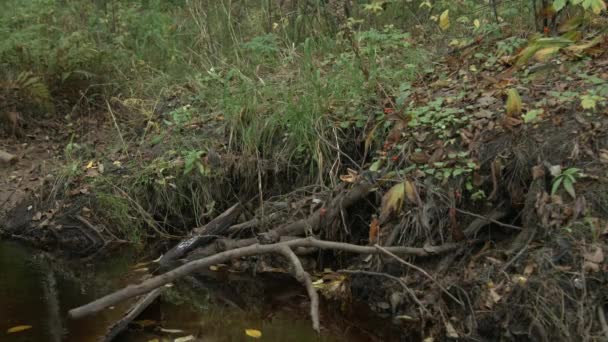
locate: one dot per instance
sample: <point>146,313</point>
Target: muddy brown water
<point>38,291</point>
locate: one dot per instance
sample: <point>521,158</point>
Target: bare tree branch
<point>304,278</point>
<point>256,249</point>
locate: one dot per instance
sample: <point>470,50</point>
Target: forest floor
<point>493,172</point>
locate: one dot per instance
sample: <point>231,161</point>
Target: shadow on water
<point>37,291</point>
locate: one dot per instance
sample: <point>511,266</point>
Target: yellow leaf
<point>18,328</point>
<point>392,201</point>
<point>410,191</point>
<point>90,164</point>
<point>213,268</point>
<point>476,23</point>
<point>444,20</point>
<point>253,333</point>
<point>543,55</point>
<point>598,6</point>
<point>514,104</point>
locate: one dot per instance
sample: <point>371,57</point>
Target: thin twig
<point>400,281</point>
<point>425,273</point>
<point>520,253</point>
<point>90,226</point>
<point>506,225</point>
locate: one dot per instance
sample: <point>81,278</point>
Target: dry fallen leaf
<point>184,339</point>
<point>392,201</point>
<point>410,191</point>
<point>374,230</point>
<point>450,331</point>
<point>595,255</point>
<point>351,177</point>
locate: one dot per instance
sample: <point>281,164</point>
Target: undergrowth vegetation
<point>216,100</point>
<point>452,122</point>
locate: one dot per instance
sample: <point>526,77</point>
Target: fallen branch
<point>256,249</point>
<point>137,309</point>
<point>214,227</point>
<point>314,222</point>
<point>325,215</point>
<point>304,278</point>
<point>203,235</point>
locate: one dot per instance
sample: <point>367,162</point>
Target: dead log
<point>216,227</point>
<point>135,310</point>
<point>7,158</point>
<point>315,222</point>
<point>256,249</point>
<point>203,235</point>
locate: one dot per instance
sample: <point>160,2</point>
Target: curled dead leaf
<point>514,104</point>
<point>595,255</point>
<point>374,231</point>
<point>392,201</point>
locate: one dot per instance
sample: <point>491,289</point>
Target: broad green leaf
<point>568,185</point>
<point>18,328</point>
<point>444,20</point>
<point>556,185</point>
<point>253,333</point>
<point>559,4</point>
<point>596,6</point>
<point>514,104</point>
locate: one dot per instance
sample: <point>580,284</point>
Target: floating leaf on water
<point>171,331</point>
<point>253,333</point>
<point>184,339</point>
<point>18,328</point>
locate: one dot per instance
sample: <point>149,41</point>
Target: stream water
<point>37,291</point>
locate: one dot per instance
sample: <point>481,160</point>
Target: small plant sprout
<point>567,178</point>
